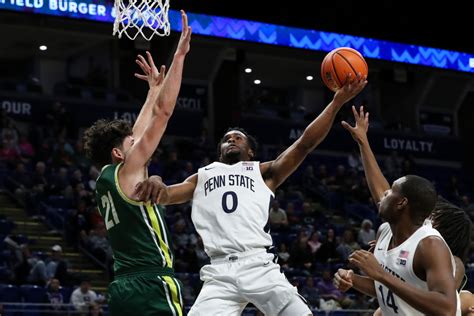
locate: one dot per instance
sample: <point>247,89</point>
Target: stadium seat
<point>6,226</point>
<point>32,293</point>
<point>10,293</point>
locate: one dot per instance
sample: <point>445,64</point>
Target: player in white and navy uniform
<point>398,261</point>
<point>407,279</point>
<point>231,202</point>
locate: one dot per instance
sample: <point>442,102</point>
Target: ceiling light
<point>257,81</point>
<point>309,78</point>
<point>43,47</point>
<point>248,70</point>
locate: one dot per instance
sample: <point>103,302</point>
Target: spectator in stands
<point>292,215</point>
<point>308,216</point>
<point>60,182</point>
<point>25,147</point>
<point>58,119</point>
<point>393,166</point>
<point>300,254</point>
<point>314,243</point>
<point>57,267</point>
<point>20,181</point>
<point>37,274</point>
<point>361,301</point>
<point>54,298</point>
<point>327,252</point>
<point>181,237</point>
<point>328,291</point>
<point>9,134</point>
<point>40,179</point>
<point>360,192</point>
<point>84,299</point>
<point>20,260</point>
<point>278,218</point>
<point>79,158</point>
<point>312,186</point>
<point>283,254</point>
<point>99,244</point>
<point>201,255</point>
<point>348,245</point>
<point>310,292</point>
<point>366,234</point>
<point>93,175</point>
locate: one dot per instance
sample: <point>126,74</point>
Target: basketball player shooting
<point>402,273</point>
<point>230,210</point>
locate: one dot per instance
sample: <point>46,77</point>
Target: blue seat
<point>32,293</point>
<point>6,226</point>
<point>66,292</point>
<point>10,293</point>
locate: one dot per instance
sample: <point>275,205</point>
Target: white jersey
<point>398,261</point>
<point>231,205</point>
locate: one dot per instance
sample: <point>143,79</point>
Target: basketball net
<point>141,17</point>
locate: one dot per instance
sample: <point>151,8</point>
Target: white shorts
<point>233,281</point>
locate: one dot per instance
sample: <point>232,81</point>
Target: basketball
<point>338,63</point>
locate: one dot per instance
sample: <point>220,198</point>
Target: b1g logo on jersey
<point>247,166</point>
<point>402,258</point>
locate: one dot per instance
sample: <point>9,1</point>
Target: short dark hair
<point>421,196</point>
<point>102,137</point>
<point>454,225</point>
<point>250,139</point>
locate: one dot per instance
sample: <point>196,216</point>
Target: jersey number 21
<point>108,205</point>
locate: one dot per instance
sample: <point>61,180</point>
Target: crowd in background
<point>318,217</point>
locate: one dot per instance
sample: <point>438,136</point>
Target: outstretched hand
<point>351,88</point>
<point>151,73</point>
<point>185,39</point>
<point>359,131</point>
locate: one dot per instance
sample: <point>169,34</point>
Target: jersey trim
<point>119,189</point>
<point>175,294</point>
<point>168,298</point>
<point>153,235</point>
<point>159,233</point>
<point>163,230</point>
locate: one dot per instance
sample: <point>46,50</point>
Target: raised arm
<point>144,146</point>
<point>439,277</point>
<point>276,171</point>
<point>375,179</point>
<point>155,81</point>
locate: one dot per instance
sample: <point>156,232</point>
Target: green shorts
<point>145,294</point>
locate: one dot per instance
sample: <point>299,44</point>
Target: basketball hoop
<point>141,17</point>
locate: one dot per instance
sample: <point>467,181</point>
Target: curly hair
<point>454,225</point>
<point>102,137</point>
<point>250,140</point>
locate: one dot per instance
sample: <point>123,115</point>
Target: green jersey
<point>137,231</point>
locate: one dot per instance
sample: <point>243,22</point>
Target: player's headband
<point>235,132</point>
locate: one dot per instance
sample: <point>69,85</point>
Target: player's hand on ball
<point>343,279</point>
<point>351,88</point>
<point>150,189</point>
